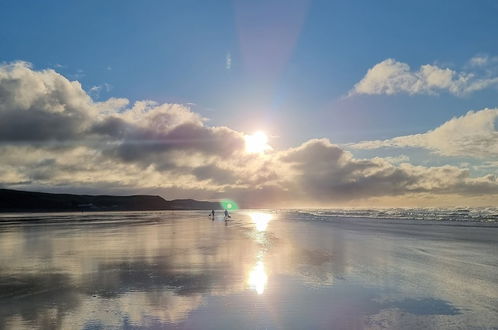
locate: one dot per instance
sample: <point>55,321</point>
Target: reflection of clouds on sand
<point>135,308</point>
<point>115,279</point>
<point>139,308</point>
<point>287,255</point>
<point>433,273</point>
<point>40,300</point>
<point>314,267</point>
<point>159,273</point>
<point>280,256</point>
<point>407,260</point>
<point>394,318</point>
<point>163,305</point>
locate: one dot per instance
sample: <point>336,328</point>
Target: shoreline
<point>179,269</point>
<point>289,212</point>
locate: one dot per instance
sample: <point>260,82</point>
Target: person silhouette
<point>212,215</point>
<point>226,215</point>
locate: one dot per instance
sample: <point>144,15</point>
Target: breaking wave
<point>489,214</point>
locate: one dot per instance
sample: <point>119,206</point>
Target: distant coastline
<point>30,201</point>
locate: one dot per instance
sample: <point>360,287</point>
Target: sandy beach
<point>262,270</point>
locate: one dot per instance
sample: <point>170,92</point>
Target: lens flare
<point>228,204</point>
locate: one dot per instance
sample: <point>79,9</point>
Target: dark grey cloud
<point>326,172</point>
<point>214,173</point>
<point>31,292</point>
<point>114,127</point>
<point>53,136</point>
<point>37,126</point>
<point>143,145</point>
<point>40,105</point>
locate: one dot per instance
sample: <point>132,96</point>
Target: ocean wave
<point>489,214</point>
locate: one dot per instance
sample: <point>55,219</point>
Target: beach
<point>263,269</point>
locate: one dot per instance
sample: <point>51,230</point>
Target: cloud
<point>55,137</point>
<point>148,133</point>
<point>392,77</point>
<point>214,173</point>
<point>324,171</point>
<point>398,159</point>
<point>474,134</point>
<point>479,60</point>
<point>41,105</point>
<point>483,60</point>
<point>95,91</point>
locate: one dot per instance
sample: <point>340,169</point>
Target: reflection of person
<point>212,215</point>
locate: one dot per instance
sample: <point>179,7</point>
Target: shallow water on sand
<point>263,269</point>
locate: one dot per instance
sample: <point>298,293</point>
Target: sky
<point>382,103</point>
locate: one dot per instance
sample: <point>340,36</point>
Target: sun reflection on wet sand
<point>181,270</point>
<point>258,278</point>
<point>261,220</point>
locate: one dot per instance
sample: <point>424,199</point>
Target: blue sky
<point>290,68</point>
<point>175,51</point>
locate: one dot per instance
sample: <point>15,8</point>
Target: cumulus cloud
<point>392,77</point>
<point>41,105</point>
<point>473,134</point>
<point>148,133</point>
<point>324,171</point>
<point>54,136</point>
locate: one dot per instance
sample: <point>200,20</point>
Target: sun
<point>257,143</point>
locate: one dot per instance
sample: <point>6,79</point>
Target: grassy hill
<point>27,201</point>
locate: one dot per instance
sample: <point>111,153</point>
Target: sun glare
<point>258,278</point>
<point>260,220</point>
<point>257,143</point>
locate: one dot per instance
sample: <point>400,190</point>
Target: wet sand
<point>162,270</point>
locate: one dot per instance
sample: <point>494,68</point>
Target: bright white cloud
<point>54,135</point>
<point>325,171</point>
<point>392,77</point>
<point>474,134</point>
